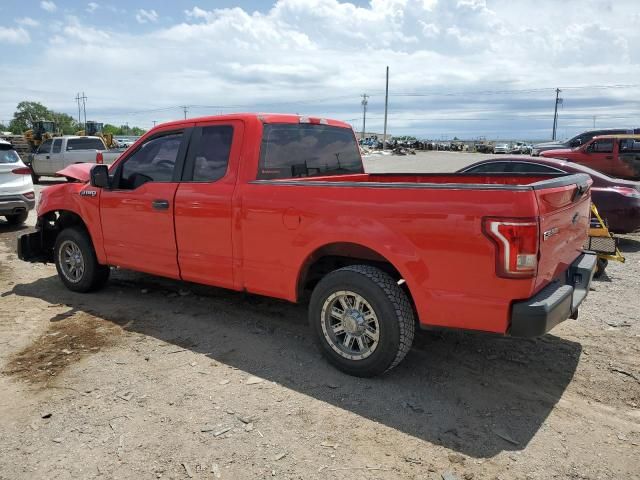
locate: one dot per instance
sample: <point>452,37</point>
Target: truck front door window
<point>45,147</point>
<point>154,161</point>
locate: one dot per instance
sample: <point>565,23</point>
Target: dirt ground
<point>151,378</point>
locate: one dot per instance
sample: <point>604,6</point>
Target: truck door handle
<point>609,157</point>
<point>47,157</point>
<point>160,204</point>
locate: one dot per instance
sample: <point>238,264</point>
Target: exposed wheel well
<point>337,255</point>
<point>53,222</point>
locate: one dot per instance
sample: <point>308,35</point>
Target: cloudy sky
<point>458,67</point>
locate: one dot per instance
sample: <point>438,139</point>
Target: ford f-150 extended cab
<point>280,205</point>
<point>57,153</point>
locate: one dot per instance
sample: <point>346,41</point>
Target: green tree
<point>3,128</point>
<point>26,113</point>
<point>65,123</point>
<point>112,129</point>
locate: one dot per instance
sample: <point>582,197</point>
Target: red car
<point>279,205</point>
<point>615,155</point>
<point>618,200</point>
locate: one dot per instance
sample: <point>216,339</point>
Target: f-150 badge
<point>550,233</point>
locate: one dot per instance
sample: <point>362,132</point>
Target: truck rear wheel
<point>362,320</point>
<point>76,261</point>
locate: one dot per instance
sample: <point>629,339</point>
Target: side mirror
<point>576,143</point>
<point>100,176</point>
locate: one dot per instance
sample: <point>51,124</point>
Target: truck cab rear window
<point>307,150</point>
<point>84,144</point>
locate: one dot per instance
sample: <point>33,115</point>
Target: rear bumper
<point>554,303</point>
<point>15,204</point>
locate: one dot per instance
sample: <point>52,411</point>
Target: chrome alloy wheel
<point>71,261</point>
<point>350,325</point>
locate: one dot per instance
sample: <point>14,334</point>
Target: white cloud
<point>92,7</point>
<point>15,36</point>
<point>146,16</point>
<point>27,22</point>
<point>299,53</point>
<point>48,5</point>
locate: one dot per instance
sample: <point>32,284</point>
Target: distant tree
<point>137,131</point>
<point>65,123</point>
<point>3,128</point>
<point>112,129</point>
<point>26,113</point>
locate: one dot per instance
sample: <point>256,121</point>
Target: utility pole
<point>555,113</point>
<point>386,106</point>
<point>594,121</point>
<point>78,102</point>
<point>154,122</point>
<point>185,108</point>
<point>364,102</point>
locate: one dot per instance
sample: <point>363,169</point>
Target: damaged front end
<point>37,247</point>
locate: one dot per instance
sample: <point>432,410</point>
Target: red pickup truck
<point>280,205</point>
<point>614,155</point>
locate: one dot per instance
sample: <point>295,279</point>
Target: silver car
<point>16,188</point>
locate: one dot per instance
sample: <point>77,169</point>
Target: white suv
<point>16,189</point>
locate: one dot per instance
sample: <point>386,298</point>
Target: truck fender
<point>80,199</point>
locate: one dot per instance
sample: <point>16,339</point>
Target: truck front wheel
<point>76,261</point>
<point>362,319</point>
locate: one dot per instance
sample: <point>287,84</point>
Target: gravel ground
<point>152,378</point>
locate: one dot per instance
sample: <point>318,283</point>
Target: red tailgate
<point>564,223</point>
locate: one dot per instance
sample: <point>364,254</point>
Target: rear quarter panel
<point>432,236</point>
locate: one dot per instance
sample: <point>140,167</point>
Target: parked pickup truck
<point>280,205</point>
<point>614,155</point>
<point>57,153</point>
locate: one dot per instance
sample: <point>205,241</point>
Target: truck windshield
<point>84,144</point>
<point>307,150</point>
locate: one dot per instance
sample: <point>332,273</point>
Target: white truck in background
<point>57,153</point>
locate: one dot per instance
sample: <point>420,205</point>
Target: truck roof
<point>76,136</point>
<point>619,135</point>
<point>263,117</point>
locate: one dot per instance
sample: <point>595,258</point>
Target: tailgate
<point>564,222</point>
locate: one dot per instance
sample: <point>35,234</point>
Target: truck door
<point>57,156</point>
<point>42,159</point>
<point>203,205</point>
<point>599,155</point>
<point>137,212</point>
<point>628,164</point>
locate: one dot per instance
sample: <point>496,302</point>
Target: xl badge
<point>88,193</point>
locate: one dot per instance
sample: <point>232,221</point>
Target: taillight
<point>22,171</point>
<point>517,243</point>
<point>99,157</point>
<point>30,195</point>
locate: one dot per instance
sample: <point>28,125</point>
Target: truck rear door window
<point>211,157</point>
<point>84,144</point>
<point>307,150</point>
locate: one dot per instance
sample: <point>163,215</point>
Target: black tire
<point>17,219</point>
<point>35,178</point>
<point>94,275</point>
<point>601,266</point>
<point>391,306</point>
